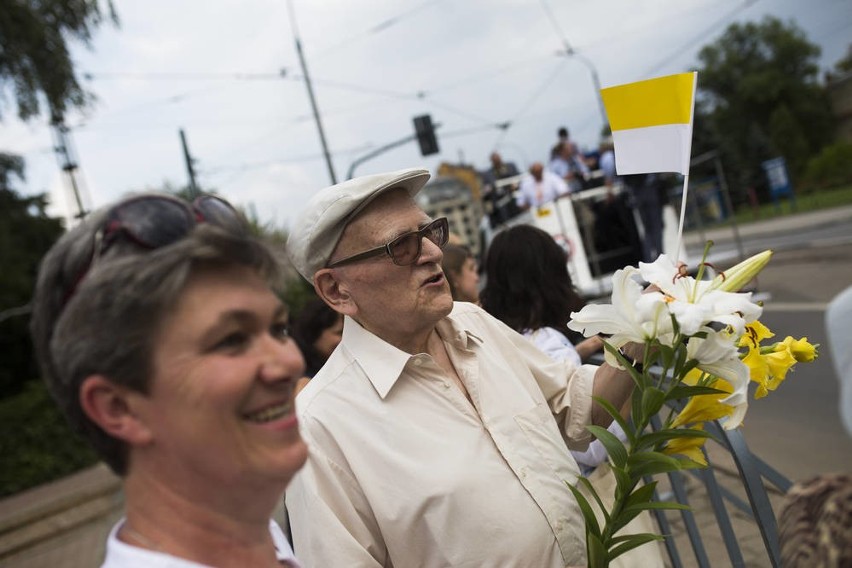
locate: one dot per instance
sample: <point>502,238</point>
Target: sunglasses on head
<point>155,221</point>
<point>405,249</point>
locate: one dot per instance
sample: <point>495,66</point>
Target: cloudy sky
<point>227,73</point>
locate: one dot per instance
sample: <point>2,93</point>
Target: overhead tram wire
<point>376,29</point>
<point>544,86</point>
<point>571,52</point>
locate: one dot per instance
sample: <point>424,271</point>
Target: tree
<point>761,99</point>
<point>26,233</point>
<point>845,64</point>
<point>34,58</point>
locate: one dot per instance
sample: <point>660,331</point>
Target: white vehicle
<point>599,232</point>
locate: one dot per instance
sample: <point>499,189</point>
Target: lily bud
<point>738,276</point>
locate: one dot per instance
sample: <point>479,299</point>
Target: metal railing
<point>754,476</point>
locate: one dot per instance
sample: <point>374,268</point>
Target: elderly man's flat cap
<point>318,228</point>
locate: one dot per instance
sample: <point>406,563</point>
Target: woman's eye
<point>281,330</point>
<point>232,341</point>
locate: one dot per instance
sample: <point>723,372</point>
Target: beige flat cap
<point>319,226</point>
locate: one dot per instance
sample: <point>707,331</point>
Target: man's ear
<point>334,292</point>
<point>111,407</point>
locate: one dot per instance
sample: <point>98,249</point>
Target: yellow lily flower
<point>755,332</point>
<point>704,407</point>
<point>802,350</point>
<point>768,370</point>
<point>689,447</point>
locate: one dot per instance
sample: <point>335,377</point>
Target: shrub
<point>832,167</point>
<point>37,444</point>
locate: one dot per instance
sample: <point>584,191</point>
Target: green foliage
<point>760,98</point>
<point>34,59</point>
<point>37,444</point>
<point>845,64</point>
<point>26,233</point>
<point>830,168</point>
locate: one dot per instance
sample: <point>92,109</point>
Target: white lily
<point>696,303</point>
<point>717,355</point>
<point>632,316</point>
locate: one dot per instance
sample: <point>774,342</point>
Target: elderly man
<point>437,435</point>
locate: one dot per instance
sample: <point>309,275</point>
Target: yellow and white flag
<point>651,123</point>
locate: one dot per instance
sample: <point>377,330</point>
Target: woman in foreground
<point>161,339</point>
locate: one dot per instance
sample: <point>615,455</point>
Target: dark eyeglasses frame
<point>113,226</point>
<point>387,249</point>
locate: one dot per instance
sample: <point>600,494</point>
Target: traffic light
<point>426,135</point>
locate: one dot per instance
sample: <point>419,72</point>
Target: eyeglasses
<point>405,249</point>
<point>155,221</point>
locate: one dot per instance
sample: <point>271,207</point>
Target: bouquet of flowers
<point>703,345</point>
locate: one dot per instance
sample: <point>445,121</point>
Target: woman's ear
<point>111,407</point>
<point>334,292</point>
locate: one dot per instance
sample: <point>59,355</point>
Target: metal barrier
<point>752,472</point>
<point>754,475</point>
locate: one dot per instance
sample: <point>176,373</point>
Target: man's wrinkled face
<point>394,302</point>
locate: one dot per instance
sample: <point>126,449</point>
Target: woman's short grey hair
<point>104,320</point>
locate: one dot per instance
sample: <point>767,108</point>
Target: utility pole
<point>68,162</point>
<point>193,187</point>
<point>311,93</point>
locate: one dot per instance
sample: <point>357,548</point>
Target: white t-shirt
<point>119,554</point>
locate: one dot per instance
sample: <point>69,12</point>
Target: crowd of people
<point>413,414</point>
<point>569,171</point>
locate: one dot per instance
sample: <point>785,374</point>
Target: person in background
<point>539,187</point>
<point>562,137</point>
<point>645,198</point>
<point>317,331</point>
<point>498,201</point>
<point>569,165</point>
<point>462,273</point>
<point>815,519</point>
<point>161,339</point>
<point>528,287</point>
<point>438,436</point>
<point>606,162</point>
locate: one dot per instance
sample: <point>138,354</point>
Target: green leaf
<point>590,488</point>
<point>596,551</point>
<point>651,439</point>
<point>657,505</point>
<point>635,540</point>
<point>623,482</point>
<point>634,374</point>
<point>688,391</point>
<point>616,450</point>
<point>616,415</point>
<point>636,408</point>
<point>687,366</point>
<point>680,357</point>
<point>666,355</point>
<point>652,401</point>
<point>642,494</point>
<point>592,526</point>
<point>651,463</point>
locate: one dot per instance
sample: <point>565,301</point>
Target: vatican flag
<point>651,123</point>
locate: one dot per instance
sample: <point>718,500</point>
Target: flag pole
<point>682,217</point>
<point>686,173</point>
